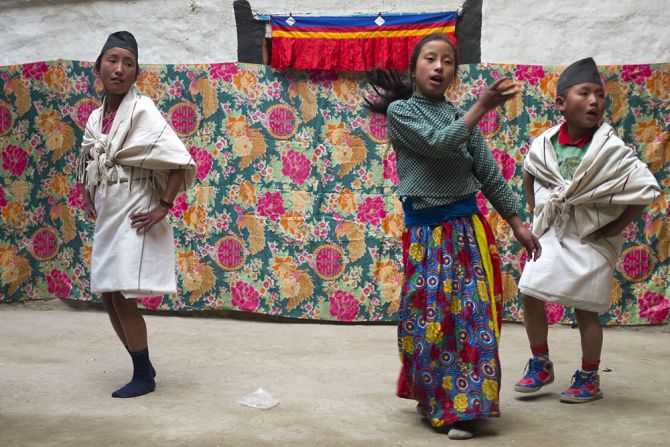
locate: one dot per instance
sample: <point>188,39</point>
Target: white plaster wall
<point>558,32</point>
<point>202,31</point>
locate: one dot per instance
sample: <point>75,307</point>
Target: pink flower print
<point>296,167</point>
<point>150,302</point>
<point>222,71</point>
<point>245,296</point>
<point>75,198</point>
<point>35,70</point>
<point>523,258</point>
<point>635,73</point>
<point>58,283</point>
<point>654,307</point>
<point>530,73</point>
<point>506,162</point>
<point>482,204</point>
<point>180,205</point>
<point>390,170</point>
<point>344,306</point>
<point>271,205</point>
<point>3,200</point>
<point>14,159</point>
<point>371,210</point>
<point>630,232</point>
<point>203,161</point>
<point>555,312</point>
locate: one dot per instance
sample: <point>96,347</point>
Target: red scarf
<point>565,140</point>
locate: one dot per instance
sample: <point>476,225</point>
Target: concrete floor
<point>335,385</point>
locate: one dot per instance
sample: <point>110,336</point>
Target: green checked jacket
<point>439,161</point>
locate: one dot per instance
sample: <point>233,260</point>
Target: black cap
<point>584,70</point>
<point>119,39</point>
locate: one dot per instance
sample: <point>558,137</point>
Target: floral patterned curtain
<point>293,213</point>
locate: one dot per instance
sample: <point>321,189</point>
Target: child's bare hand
<point>144,221</point>
<point>497,93</point>
<point>529,242</point>
<point>89,209</point>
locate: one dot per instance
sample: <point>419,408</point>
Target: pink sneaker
<point>585,388</point>
<point>539,372</point>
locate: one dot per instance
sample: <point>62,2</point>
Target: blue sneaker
<point>585,388</point>
<point>538,373</point>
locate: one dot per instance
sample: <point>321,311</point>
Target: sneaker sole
<point>580,400</point>
<point>525,389</point>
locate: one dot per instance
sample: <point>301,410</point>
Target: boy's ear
<point>560,103</point>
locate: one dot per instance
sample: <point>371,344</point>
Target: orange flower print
<point>147,83</point>
<point>54,78</point>
<point>393,225</point>
<point>336,134</point>
<point>347,201</point>
<point>538,127</point>
<point>87,251</point>
<point>245,81</point>
<point>185,260</point>
<point>59,185</point>
<point>302,200</point>
<point>13,214</point>
<point>243,146</point>
<point>292,222</point>
<point>647,131</point>
<point>658,84</point>
<point>248,193</point>
<point>237,126</point>
<point>346,90</point>
<point>548,85</point>
<point>195,218</point>
<point>48,122</point>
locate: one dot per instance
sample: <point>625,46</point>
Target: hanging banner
<point>353,43</point>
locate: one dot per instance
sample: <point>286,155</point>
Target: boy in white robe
<point>583,186</point>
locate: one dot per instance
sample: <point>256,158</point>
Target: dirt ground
<point>335,385</point>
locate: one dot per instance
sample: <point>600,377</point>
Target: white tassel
<point>558,211</point>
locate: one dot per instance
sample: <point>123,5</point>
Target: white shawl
<point>609,178</point>
<point>139,138</point>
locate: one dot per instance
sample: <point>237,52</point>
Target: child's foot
<point>136,387</point>
<point>585,388</point>
<point>539,372</point>
<point>143,376</point>
<point>459,431</point>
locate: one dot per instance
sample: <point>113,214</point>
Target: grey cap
<point>584,70</point>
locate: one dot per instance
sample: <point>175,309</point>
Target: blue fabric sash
<point>437,214</point>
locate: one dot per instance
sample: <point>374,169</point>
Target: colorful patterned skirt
<point>449,320</point>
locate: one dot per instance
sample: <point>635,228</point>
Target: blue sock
<point>142,382</point>
<point>153,371</point>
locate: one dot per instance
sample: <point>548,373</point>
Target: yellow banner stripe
<point>362,34</point>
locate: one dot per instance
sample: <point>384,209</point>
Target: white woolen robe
<point>125,171</point>
<point>575,269</point>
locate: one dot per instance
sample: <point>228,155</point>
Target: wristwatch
<point>165,203</point>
